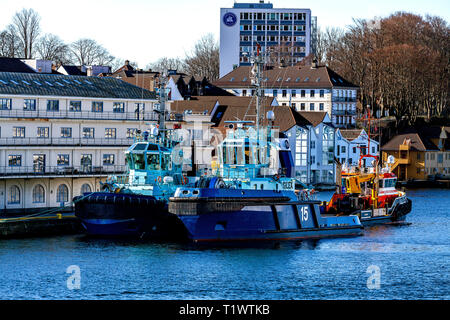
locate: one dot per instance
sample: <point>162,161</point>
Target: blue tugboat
<point>250,204</point>
<point>248,201</point>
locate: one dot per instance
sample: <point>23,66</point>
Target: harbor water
<point>389,262</point>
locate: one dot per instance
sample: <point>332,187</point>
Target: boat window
<point>390,183</point>
<point>139,162</point>
<point>247,154</point>
<point>153,161</point>
<point>152,147</point>
<point>166,163</point>
<point>140,146</point>
<point>129,162</point>
<point>239,155</point>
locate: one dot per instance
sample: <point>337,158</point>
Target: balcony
<point>60,171</point>
<point>81,115</point>
<point>65,142</point>
<point>344,112</point>
<point>344,99</point>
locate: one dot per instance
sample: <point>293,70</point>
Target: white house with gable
<point>351,143</point>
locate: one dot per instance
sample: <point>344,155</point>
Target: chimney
<point>314,64</point>
<point>89,71</point>
<point>127,62</point>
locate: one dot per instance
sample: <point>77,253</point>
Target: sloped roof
<point>196,106</point>
<point>418,143</point>
<point>14,65</point>
<point>69,86</point>
<point>286,77</point>
<point>350,134</point>
<point>285,117</point>
<point>314,118</point>
<point>74,70</point>
<point>235,100</point>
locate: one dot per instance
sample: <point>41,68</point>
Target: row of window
<point>38,194</point>
<point>273,16</point>
<point>440,156</point>
<point>273,38</point>
<point>341,93</point>
<point>344,120</point>
<point>284,93</point>
<point>62,160</point>
<point>434,170</point>
<point>343,149</point>
<point>74,106</point>
<point>279,50</point>
<point>288,58</point>
<point>345,107</point>
<point>87,133</point>
<point>275,28</point>
<point>312,106</point>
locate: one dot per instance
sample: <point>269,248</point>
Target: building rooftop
<point>350,135</point>
<point>74,70</point>
<point>418,143</point>
<point>260,5</point>
<point>14,65</point>
<point>36,84</point>
<point>286,77</point>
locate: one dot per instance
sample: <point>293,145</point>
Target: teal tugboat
<point>136,204</point>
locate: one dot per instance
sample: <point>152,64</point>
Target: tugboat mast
<point>161,110</point>
<point>256,78</point>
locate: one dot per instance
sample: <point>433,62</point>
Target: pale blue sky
<point>144,30</point>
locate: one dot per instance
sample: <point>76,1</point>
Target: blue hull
<point>110,227</point>
<point>223,215</point>
<point>206,229</point>
<point>127,215</point>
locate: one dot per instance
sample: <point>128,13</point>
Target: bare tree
<point>204,59</point>
<point>164,64</point>
<point>26,25</point>
<point>10,44</point>
<point>89,52</point>
<point>51,47</point>
<point>401,63</point>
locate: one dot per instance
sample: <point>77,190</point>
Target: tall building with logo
<point>284,35</point>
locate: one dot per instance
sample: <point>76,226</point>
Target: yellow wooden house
<point>420,156</point>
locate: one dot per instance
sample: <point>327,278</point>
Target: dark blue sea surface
<point>413,261</point>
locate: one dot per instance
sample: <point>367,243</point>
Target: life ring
<point>277,177</point>
<point>159,179</point>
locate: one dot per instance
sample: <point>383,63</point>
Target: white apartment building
<point>305,88</point>
<point>312,141</point>
<point>350,144</point>
<point>284,34</point>
<point>61,135</point>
